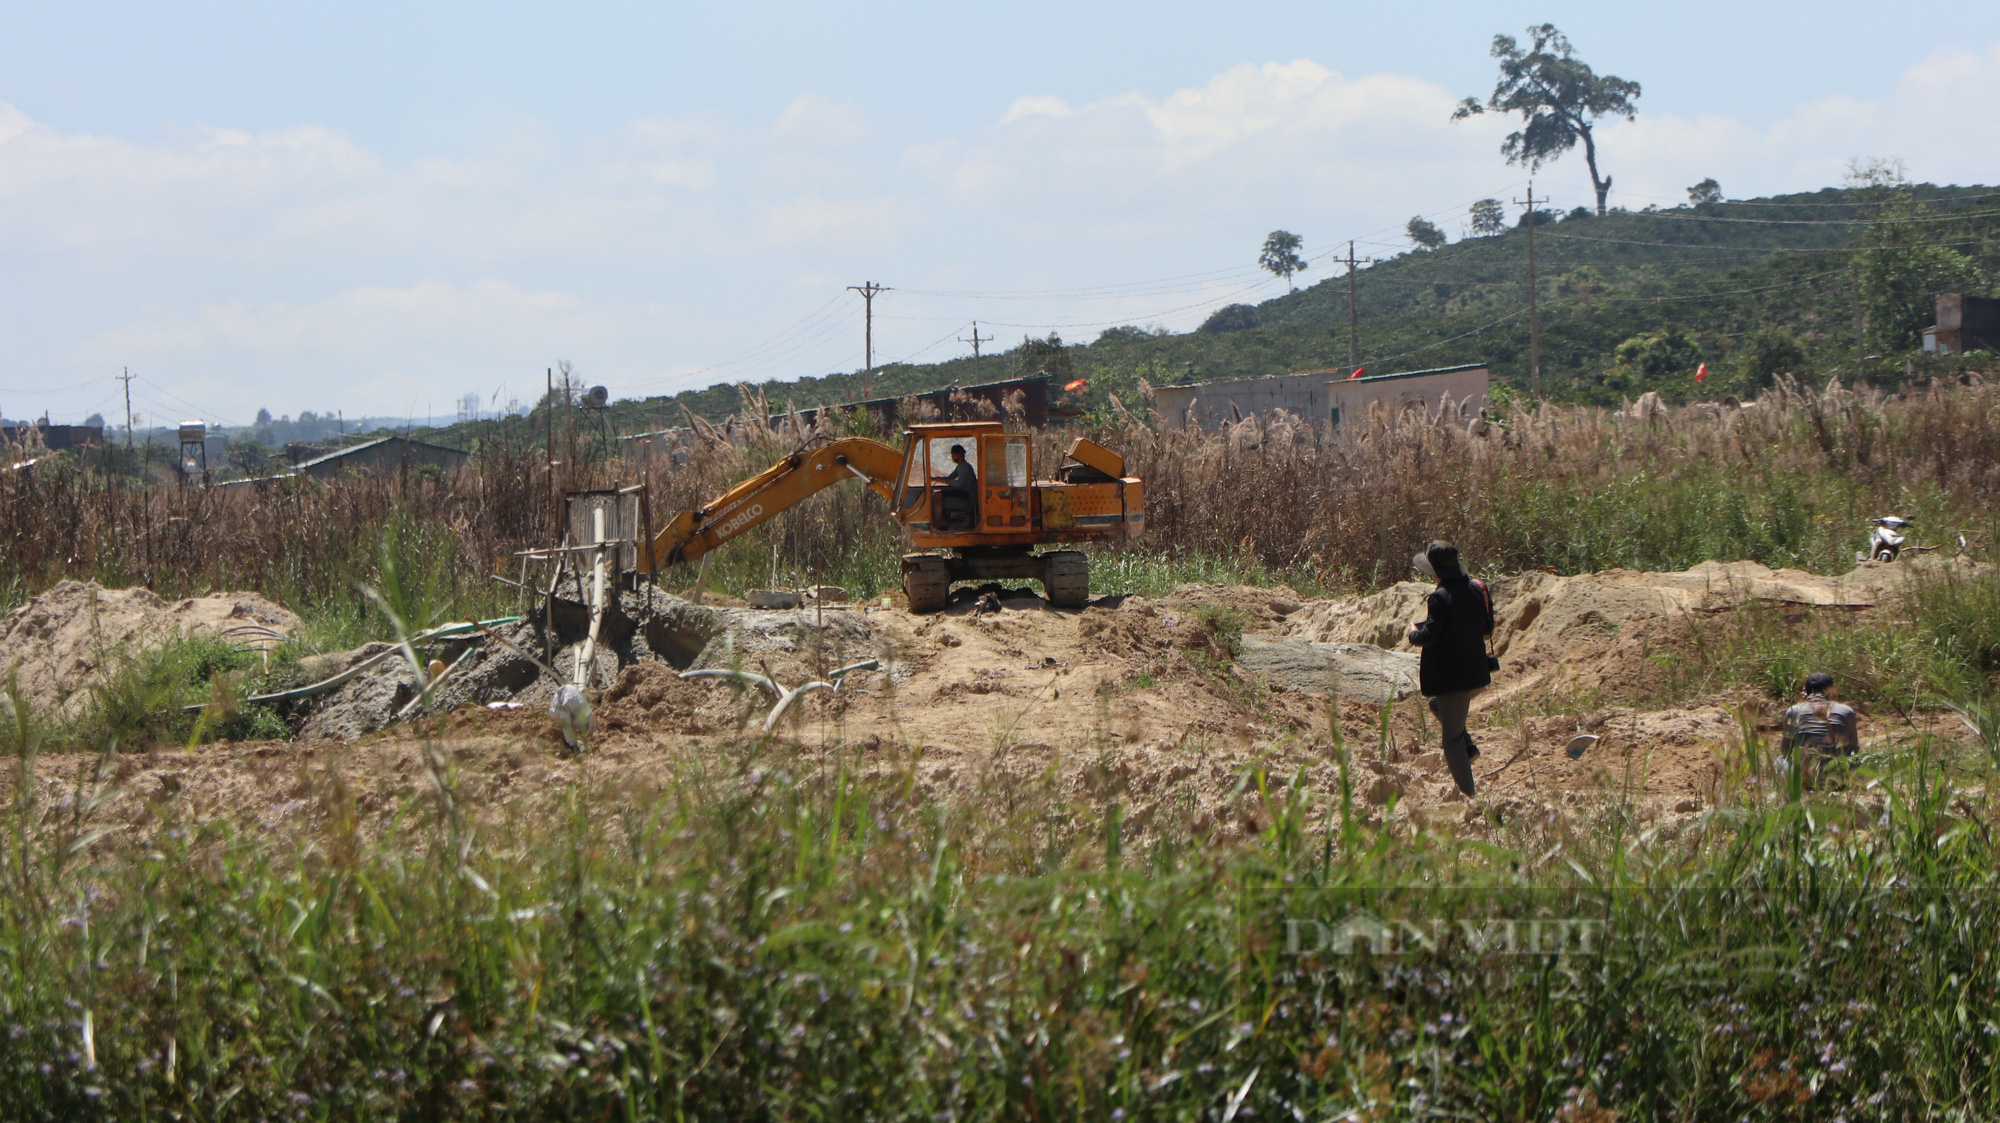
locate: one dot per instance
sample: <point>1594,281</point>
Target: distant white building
<point>1321,395</point>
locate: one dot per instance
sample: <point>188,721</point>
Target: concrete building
<point>1320,395</point>
<point>387,454</point>
<point>1964,323</point>
<point>55,438</point>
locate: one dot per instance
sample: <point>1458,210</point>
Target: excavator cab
<point>989,531</point>
<point>984,528</point>
<point>998,500</point>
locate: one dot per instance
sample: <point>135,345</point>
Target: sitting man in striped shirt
<point>1820,726</point>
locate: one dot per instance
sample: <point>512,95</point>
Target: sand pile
<point>1025,716</point>
<point>1594,630</point>
<point>65,638</point>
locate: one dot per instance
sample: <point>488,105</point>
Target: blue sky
<point>379,208</point>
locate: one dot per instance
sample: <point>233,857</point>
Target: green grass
<point>140,699</point>
<point>1938,645</point>
<point>775,934</point>
<point>1147,572</point>
<point>762,940</point>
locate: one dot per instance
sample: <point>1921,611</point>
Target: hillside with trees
<point>1630,301</point>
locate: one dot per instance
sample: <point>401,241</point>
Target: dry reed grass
<point>1791,480</point>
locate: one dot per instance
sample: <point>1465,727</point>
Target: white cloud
<point>1292,143</point>
<point>843,224</point>
<point>373,346</point>
<point>1044,105</point>
<point>815,120</point>
<point>299,257</point>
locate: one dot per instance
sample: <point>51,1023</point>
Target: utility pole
<point>1353,309</point>
<point>549,437</point>
<point>869,290</point>
<point>1534,311</point>
<point>976,340</point>
<point>126,378</point>
<point>569,422</point>
<point>1860,325</point>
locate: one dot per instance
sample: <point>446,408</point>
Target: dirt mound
<point>1001,703</point>
<point>65,637</point>
<point>1595,630</point>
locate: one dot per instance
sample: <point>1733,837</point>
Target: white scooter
<point>1886,542</point>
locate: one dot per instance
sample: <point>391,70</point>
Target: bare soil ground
<point>63,639</point>
<point>1003,705</point>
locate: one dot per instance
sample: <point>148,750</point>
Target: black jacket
<point>1453,638</point>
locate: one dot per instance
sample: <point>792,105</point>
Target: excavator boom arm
<point>690,534</point>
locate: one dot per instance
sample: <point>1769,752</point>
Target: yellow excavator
<point>977,525</point>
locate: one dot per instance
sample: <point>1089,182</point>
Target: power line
<point>1516,313</point>
<point>1678,216</point>
<point>1079,293</point>
<point>1462,335</point>
<point>806,323</point>
<point>73,387</point>
<point>1850,247</point>
<point>1778,203</point>
<point>171,396</point>
<point>934,344</point>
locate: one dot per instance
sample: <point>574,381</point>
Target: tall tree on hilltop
<point>1281,255</point>
<point>1488,218</point>
<point>1424,233</point>
<point>1558,96</point>
<point>1900,270</point>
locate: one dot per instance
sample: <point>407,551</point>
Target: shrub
<point>1230,317</point>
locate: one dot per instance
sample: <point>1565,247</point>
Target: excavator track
<point>1067,578</point>
<point>926,581</point>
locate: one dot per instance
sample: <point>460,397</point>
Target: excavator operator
<point>960,492</point>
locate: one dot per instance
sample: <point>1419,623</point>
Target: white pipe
<point>588,657</point>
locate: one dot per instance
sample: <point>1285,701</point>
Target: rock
<point>1360,670</point>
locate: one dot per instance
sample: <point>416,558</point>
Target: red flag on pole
<point>1077,385</point>
<point>1701,372</point>
<point>1356,374</point>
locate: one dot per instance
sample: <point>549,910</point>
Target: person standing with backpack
<point>1454,665</point>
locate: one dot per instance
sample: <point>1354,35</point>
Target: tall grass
<point>774,937</point>
<point>1792,481</point>
<point>1936,644</point>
